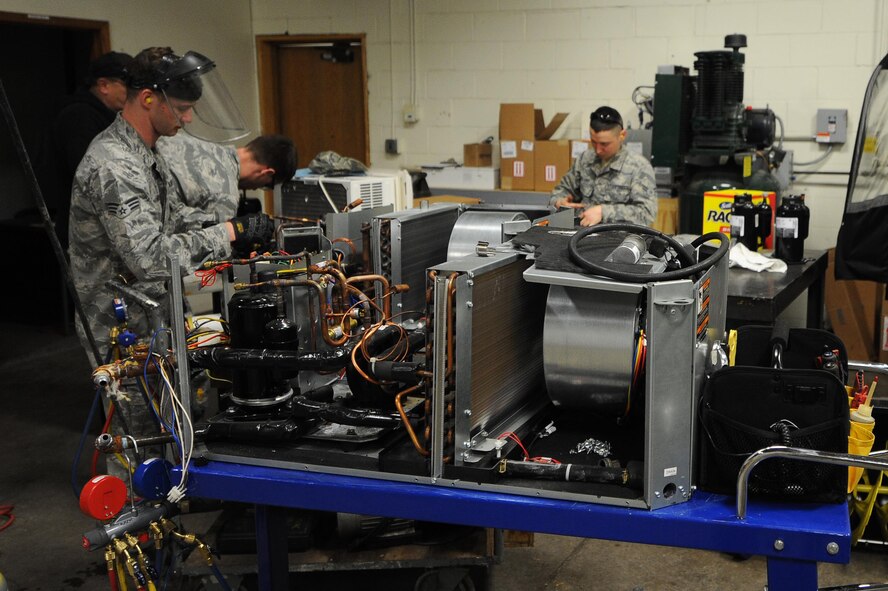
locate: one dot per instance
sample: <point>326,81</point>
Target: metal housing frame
<point>682,316</point>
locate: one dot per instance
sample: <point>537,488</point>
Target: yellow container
<point>860,442</point>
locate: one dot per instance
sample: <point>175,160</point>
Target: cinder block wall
<point>573,55</point>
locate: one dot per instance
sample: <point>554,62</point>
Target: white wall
<point>220,29</point>
<point>563,55</point>
<point>573,55</point>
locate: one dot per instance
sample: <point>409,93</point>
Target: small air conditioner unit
<point>315,196</point>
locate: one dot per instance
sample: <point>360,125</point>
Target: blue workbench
<point>793,537</point>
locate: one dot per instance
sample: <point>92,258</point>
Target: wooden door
<point>313,89</point>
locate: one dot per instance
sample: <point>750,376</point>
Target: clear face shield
<point>199,98</point>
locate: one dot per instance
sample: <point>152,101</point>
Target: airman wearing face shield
<point>193,95</point>
<point>125,217</point>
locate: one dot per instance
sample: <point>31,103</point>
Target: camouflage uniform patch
<point>125,208</point>
<point>624,187</point>
<point>125,220</point>
<point>207,173</point>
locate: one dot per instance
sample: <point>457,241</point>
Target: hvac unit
<point>315,196</point>
<point>405,244</point>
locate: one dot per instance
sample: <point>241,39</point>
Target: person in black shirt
<point>85,114</point>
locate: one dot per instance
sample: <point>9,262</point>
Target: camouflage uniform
<point>207,173</point>
<point>125,220</point>
<point>624,187</point>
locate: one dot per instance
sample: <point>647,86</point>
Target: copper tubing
<point>406,421</point>
<point>386,296</point>
<point>342,281</point>
<point>103,375</point>
<point>364,301</point>
<point>348,242</point>
<point>299,225</point>
<point>323,312</point>
<point>451,314</point>
<point>353,204</point>
<point>430,291</point>
<point>451,292</point>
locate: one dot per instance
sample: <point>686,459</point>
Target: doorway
<point>313,89</point>
<point>47,57</point>
<point>52,56</point>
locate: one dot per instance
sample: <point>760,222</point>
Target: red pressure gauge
<point>103,497</point>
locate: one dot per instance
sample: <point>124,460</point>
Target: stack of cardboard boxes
<point>529,159</point>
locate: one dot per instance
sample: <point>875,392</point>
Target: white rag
<point>743,257</point>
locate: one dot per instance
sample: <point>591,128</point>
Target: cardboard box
<point>446,199</point>
<point>462,177</point>
<point>551,161</point>
<point>667,215</point>
<point>477,155</point>
<point>516,164</point>
<point>521,126</point>
<point>854,309</point>
<point>517,121</point>
<point>717,210</point>
<point>520,121</point>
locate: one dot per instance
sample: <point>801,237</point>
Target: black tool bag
<point>745,408</point>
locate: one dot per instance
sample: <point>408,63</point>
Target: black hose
<point>630,476</point>
<point>688,269</point>
<point>343,415</point>
<point>228,358</point>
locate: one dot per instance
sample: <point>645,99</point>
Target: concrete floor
<point>46,393</point>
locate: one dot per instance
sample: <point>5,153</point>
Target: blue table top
<point>708,521</point>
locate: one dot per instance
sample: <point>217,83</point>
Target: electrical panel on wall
<point>832,126</point>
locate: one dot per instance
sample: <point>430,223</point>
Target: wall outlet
<point>410,114</point>
<point>391,146</point>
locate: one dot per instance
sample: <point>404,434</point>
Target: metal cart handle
<point>808,455</point>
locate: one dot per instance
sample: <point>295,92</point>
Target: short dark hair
<point>277,152</point>
<point>145,69</point>
<point>604,118</point>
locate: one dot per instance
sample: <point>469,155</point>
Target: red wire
<point>222,339</point>
<point>514,438</point>
<point>208,276</point>
<point>6,512</point>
